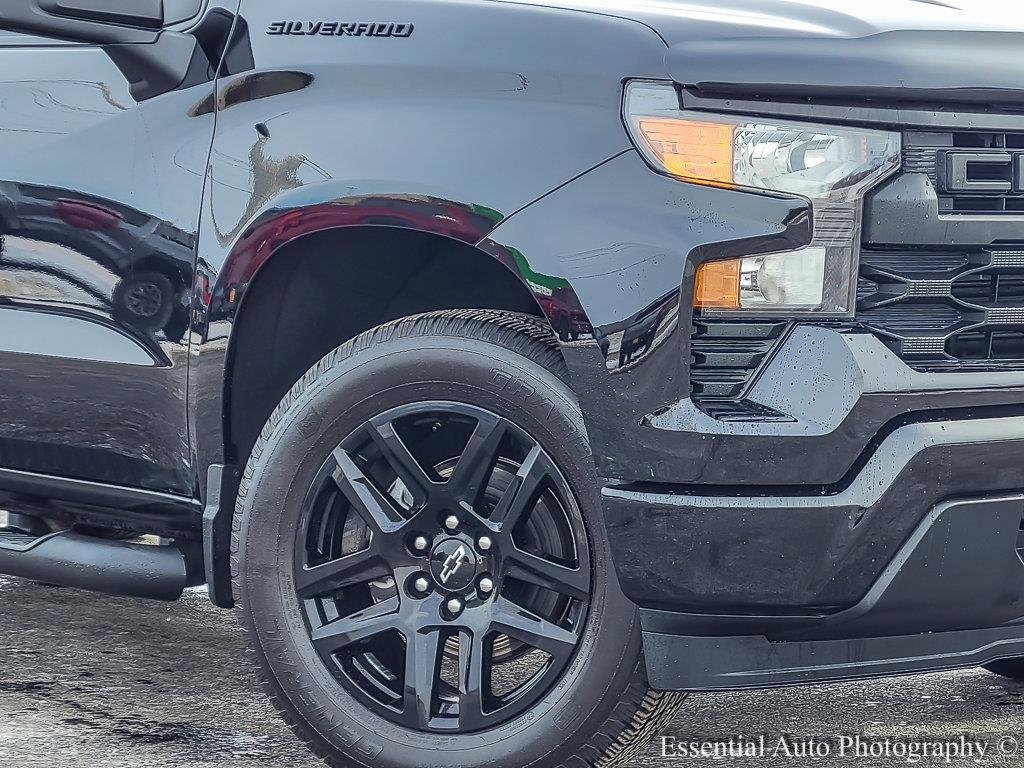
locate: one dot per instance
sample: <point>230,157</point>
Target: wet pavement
<point>103,682</point>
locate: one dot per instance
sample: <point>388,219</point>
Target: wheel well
<point>323,289</point>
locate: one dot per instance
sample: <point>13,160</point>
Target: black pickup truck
<point>517,366</point>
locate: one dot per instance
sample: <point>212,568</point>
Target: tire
<point>1010,668</point>
<point>503,367</point>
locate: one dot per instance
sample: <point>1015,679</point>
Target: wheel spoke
<point>398,455</point>
<point>515,501</point>
<point>378,618</point>
<point>507,504</point>
<point>422,671</point>
<point>527,627</point>
<point>477,460</point>
<point>574,582</point>
<point>474,679</point>
<point>357,568</point>
<point>377,510</point>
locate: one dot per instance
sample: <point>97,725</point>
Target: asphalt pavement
<point>88,681</point>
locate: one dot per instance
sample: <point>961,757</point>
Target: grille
<point>725,356</point>
<point>946,310</point>
<point>995,167</point>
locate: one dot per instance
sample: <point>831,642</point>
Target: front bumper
<point>916,565</point>
<point>822,545</point>
<point>680,663</point>
<point>952,596</point>
<point>910,559</point>
<point>791,561</point>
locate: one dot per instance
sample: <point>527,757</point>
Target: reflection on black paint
<point>628,343</point>
<point>465,223</point>
<point>103,257</point>
<point>251,87</point>
<point>99,208</point>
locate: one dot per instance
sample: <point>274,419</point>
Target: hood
<point>904,50</point>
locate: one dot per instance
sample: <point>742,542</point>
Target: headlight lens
<point>831,166</point>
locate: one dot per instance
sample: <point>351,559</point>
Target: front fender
<point>625,243</point>
<point>485,108</point>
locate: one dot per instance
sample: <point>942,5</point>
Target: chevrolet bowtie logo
<point>452,564</point>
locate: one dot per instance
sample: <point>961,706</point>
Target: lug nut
<point>484,543</point>
<point>421,585</point>
<point>486,585</point>
<point>420,543</point>
<point>451,522</point>
<point>454,606</point>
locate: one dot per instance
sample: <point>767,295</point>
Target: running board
<point>70,559</point>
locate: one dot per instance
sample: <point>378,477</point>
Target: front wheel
<point>422,562</point>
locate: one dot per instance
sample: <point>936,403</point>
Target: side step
<point>70,559</point>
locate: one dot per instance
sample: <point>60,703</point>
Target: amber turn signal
<point>691,149</point>
<point>718,285</point>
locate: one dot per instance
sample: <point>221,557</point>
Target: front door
<point>100,197</point>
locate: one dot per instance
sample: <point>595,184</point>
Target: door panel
<point>99,205</point>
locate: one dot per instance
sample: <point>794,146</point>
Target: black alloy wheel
<point>444,567</point>
<point>420,554</point>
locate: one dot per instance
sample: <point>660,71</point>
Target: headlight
<point>831,166</point>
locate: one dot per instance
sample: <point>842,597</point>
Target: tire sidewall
<point>348,391</point>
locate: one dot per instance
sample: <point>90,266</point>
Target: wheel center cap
<point>453,564</point>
